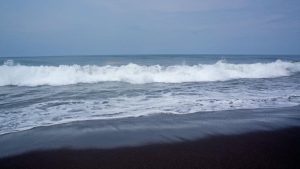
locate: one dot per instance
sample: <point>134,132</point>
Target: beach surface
<point>261,138</point>
<point>144,130</point>
<point>262,149</point>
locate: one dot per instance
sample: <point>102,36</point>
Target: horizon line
<point>156,54</point>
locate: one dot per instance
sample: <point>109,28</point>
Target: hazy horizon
<point>155,54</point>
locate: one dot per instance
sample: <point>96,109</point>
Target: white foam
<point>22,75</point>
<point>64,111</point>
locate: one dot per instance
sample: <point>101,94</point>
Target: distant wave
<point>21,75</point>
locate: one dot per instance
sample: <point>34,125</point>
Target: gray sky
<point>74,27</point>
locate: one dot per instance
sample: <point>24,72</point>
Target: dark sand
<point>267,149</point>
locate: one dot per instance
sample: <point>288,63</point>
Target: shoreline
<point>262,149</point>
<point>139,131</point>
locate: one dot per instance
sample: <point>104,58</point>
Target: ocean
<point>52,90</point>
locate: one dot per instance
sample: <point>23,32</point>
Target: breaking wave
<point>21,75</point>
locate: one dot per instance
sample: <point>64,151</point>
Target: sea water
<point>44,91</point>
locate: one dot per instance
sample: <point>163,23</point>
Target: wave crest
<point>21,75</point>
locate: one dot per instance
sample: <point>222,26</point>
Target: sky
<point>108,27</point>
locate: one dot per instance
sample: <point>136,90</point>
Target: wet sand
<point>263,149</point>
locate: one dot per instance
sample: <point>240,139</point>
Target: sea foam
<point>22,75</point>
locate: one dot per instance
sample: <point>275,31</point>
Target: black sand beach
<point>133,84</point>
<point>264,149</point>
